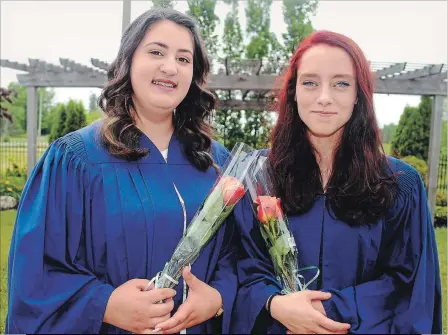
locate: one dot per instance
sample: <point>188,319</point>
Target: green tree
<point>232,36</point>
<point>261,40</point>
<point>163,3</point>
<point>76,117</point>
<point>60,112</point>
<point>18,108</point>
<point>69,117</point>
<point>5,116</point>
<point>204,12</point>
<point>443,144</point>
<point>408,136</point>
<point>228,125</point>
<point>262,44</point>
<point>47,96</point>
<point>413,131</point>
<point>297,16</point>
<point>388,132</point>
<point>425,110</point>
<point>93,102</point>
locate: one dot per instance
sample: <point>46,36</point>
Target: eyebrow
<point>163,45</point>
<point>314,75</point>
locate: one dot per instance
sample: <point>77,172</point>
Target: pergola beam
<point>410,87</point>
<point>424,72</point>
<point>38,66</point>
<point>434,150</point>
<point>390,70</point>
<point>66,79</point>
<point>76,67</point>
<point>99,64</point>
<point>31,127</point>
<point>232,82</point>
<point>439,77</point>
<point>14,65</point>
<point>126,18</point>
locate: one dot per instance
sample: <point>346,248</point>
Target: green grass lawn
<point>7,222</point>
<point>441,237</point>
<point>6,225</point>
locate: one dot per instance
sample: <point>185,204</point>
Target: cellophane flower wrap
<point>225,193</point>
<point>274,229</point>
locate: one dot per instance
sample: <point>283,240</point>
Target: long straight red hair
<point>360,188</point>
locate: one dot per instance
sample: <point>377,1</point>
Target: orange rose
<point>268,208</point>
<point>232,190</point>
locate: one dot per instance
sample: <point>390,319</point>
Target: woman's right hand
<point>296,312</point>
<point>132,308</point>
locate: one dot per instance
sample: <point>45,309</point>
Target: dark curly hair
<point>361,188</point>
<point>118,132</point>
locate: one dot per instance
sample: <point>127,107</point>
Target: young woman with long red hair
<point>360,216</point>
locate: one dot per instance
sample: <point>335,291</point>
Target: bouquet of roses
<point>226,192</point>
<point>274,229</point>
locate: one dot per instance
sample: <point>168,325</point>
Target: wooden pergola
<point>242,77</point>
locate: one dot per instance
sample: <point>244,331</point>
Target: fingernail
<point>156,330</point>
<point>189,266</point>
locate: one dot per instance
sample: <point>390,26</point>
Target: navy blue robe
<point>88,222</point>
<point>384,278</point>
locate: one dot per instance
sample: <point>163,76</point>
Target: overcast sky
<point>387,31</point>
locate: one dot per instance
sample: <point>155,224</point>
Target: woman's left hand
<point>203,302</point>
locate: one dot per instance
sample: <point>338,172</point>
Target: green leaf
<point>282,244</point>
<point>276,260</point>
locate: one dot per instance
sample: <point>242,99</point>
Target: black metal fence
<point>13,155</point>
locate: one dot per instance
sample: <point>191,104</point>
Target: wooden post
<point>126,19</point>
<point>31,126</point>
<point>434,151</point>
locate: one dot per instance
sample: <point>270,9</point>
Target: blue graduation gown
<point>88,222</point>
<point>384,278</point>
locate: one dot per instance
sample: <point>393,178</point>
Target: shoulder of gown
<point>219,152</point>
<point>95,153</point>
<point>406,174</point>
<point>411,192</point>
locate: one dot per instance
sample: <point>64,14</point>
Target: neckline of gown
<point>176,155</point>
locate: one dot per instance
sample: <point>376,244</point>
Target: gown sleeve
<point>49,288</point>
<point>406,296</point>
<point>225,280</point>
<point>255,275</point>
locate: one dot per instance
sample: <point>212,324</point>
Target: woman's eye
<point>184,60</point>
<point>343,84</point>
<point>156,53</point>
<point>309,83</point>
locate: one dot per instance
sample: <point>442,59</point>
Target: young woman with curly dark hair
<point>105,207</point>
<point>359,216</point>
